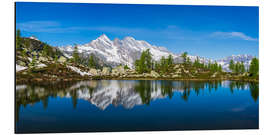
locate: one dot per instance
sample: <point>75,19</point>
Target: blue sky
<point>209,31</point>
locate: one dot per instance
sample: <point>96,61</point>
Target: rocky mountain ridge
<point>126,51</point>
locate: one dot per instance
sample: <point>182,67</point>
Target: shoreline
<point>55,80</point>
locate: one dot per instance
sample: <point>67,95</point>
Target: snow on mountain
<point>33,37</point>
<point>126,51</point>
<point>118,51</point>
<point>246,59</point>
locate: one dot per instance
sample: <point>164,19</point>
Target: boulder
<point>118,71</point>
<point>176,76</point>
<point>62,59</point>
<point>43,59</point>
<point>105,71</point>
<point>21,63</point>
<point>176,66</point>
<point>34,53</point>
<point>93,72</point>
<point>245,74</point>
<point>154,74</point>
<point>214,75</point>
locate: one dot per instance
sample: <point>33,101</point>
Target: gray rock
<point>62,59</point>
<point>214,75</point>
<point>176,76</point>
<point>21,63</point>
<point>105,71</point>
<point>176,66</point>
<point>118,71</point>
<point>154,74</point>
<point>43,59</point>
<point>34,53</point>
<point>93,72</point>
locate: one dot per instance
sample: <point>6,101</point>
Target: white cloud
<point>233,35</point>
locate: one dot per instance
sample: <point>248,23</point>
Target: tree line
<point>239,67</point>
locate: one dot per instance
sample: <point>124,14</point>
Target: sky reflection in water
<point>113,105</point>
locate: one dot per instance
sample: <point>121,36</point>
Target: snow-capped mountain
<point>246,59</point>
<point>126,51</point>
<point>33,37</point>
<point>118,51</point>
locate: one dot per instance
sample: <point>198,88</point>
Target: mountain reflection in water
<point>124,93</point>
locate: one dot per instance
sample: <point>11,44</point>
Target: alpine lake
<point>136,105</point>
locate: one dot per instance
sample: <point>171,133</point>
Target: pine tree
<point>242,68</point>
<point>126,67</point>
<point>145,63</point>
<point>170,60</point>
<point>232,66</point>
<point>188,61</point>
<point>184,56</point>
<point>163,64</point>
<point>254,67</point>
<point>91,62</point>
<point>55,58</point>
<point>219,68</point>
<point>34,61</point>
<point>45,51</point>
<point>75,55</point>
<point>24,53</point>
<point>237,67</point>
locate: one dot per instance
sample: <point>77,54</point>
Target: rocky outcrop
<point>94,72</point>
<point>43,59</point>
<point>154,74</point>
<point>118,71</point>
<point>62,59</point>
<point>105,71</point>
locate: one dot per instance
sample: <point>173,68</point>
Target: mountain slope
<point>118,51</point>
<point>126,51</point>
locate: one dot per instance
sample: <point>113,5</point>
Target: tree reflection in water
<point>102,93</point>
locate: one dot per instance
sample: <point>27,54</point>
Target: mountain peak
<point>104,37</point>
<point>33,37</point>
<point>129,38</point>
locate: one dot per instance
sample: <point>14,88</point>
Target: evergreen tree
<point>126,67</point>
<point>254,67</point>
<point>184,56</point>
<point>24,53</point>
<point>242,68</point>
<point>237,68</point>
<point>170,60</point>
<point>34,61</point>
<point>55,58</point>
<point>45,50</point>
<point>163,64</point>
<point>188,61</point>
<point>219,68</point>
<point>232,66</point>
<point>144,64</point>
<point>75,55</point>
<point>91,62</point>
<point>196,62</point>
<point>209,65</point>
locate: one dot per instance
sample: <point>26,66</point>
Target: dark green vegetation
<point>42,62</point>
<point>239,68</point>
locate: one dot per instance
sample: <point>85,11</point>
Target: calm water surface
<point>113,105</point>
